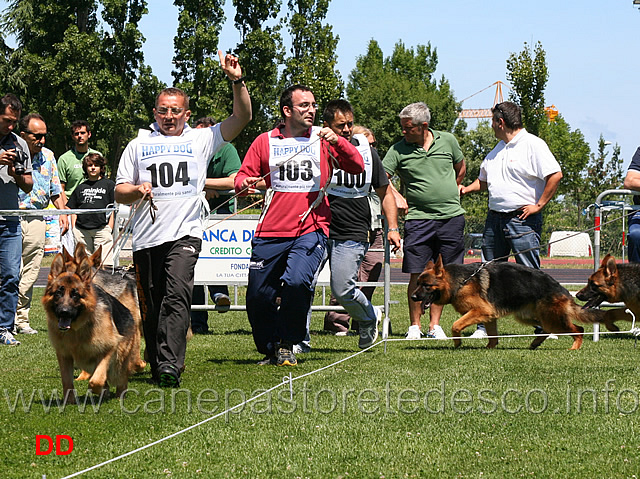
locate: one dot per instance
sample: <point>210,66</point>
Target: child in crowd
<point>96,192</point>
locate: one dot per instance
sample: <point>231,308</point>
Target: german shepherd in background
<point>120,284</point>
<point>89,328</point>
<point>614,283</point>
<point>482,294</point>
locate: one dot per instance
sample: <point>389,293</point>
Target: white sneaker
<point>480,333</point>
<point>301,348</point>
<point>27,330</point>
<point>437,333</point>
<point>379,314</point>
<point>414,332</point>
<point>552,336</point>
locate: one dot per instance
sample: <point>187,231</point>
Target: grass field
<point>420,409</point>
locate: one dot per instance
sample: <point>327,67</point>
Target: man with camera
<point>15,174</point>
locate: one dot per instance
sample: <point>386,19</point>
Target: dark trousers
<point>164,275</point>
<point>280,290</point>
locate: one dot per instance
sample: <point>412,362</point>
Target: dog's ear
<point>438,266</point>
<point>429,265</point>
<point>96,258</point>
<point>610,269</point>
<point>57,266</point>
<point>84,270</point>
<point>66,256</point>
<point>80,252</point>
<point>605,260</point>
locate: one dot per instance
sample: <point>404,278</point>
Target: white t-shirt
<point>515,172</point>
<point>176,167</point>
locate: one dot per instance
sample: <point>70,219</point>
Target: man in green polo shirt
<point>70,163</point>
<point>431,167</point>
<point>70,170</point>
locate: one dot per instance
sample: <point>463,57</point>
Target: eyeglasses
<point>162,111</point>
<point>306,106</point>
<point>37,136</point>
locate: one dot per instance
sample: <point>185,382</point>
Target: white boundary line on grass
<point>288,380</point>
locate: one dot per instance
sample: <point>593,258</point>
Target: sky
<point>591,49</point>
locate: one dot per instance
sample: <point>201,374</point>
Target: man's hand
<point>249,184</point>
<point>329,135</point>
<point>8,157</point>
<point>230,66</point>
<point>394,240</point>
<point>528,210</point>
<point>211,194</point>
<point>64,224</point>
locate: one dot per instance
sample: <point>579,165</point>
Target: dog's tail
<point>605,316</point>
<point>592,315</point>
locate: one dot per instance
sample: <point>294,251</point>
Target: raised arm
<point>232,126</point>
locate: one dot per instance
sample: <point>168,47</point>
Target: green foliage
<point>260,52</point>
<point>197,68</point>
<point>528,76</point>
<point>572,152</point>
<point>313,60</point>
<point>380,87</point>
<point>69,66</point>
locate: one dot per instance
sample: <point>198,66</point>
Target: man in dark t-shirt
<point>350,227</point>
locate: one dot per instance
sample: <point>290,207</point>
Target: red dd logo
<point>59,452</point>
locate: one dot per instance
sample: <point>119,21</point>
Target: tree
<point>528,76</point>
<point>380,87</point>
<point>313,51</point>
<point>260,52</point>
<point>572,153</point>
<point>197,69</point>
<point>68,65</point>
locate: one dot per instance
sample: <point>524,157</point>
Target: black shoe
<point>285,356</point>
<point>168,377</point>
<point>199,329</point>
<point>222,301</point>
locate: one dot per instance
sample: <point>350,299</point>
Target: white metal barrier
<point>599,208</point>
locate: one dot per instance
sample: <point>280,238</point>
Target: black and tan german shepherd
<point>482,293</point>
<point>89,328</point>
<point>614,283</point>
<point>121,284</point>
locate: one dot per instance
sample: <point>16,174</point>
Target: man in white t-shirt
<point>169,165</point>
<point>521,175</point>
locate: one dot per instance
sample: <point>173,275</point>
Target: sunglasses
<point>37,136</point>
<point>164,110</point>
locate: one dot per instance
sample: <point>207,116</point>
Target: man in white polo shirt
<point>521,176</point>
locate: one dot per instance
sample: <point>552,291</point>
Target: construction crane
<point>551,111</point>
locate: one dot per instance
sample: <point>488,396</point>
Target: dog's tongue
<point>425,305</point>
<point>64,324</point>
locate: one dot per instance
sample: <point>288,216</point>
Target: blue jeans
<point>505,233</point>
<point>10,254</point>
<point>634,238</point>
<point>344,259</point>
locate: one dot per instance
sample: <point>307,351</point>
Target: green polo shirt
<point>70,169</point>
<point>428,177</point>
